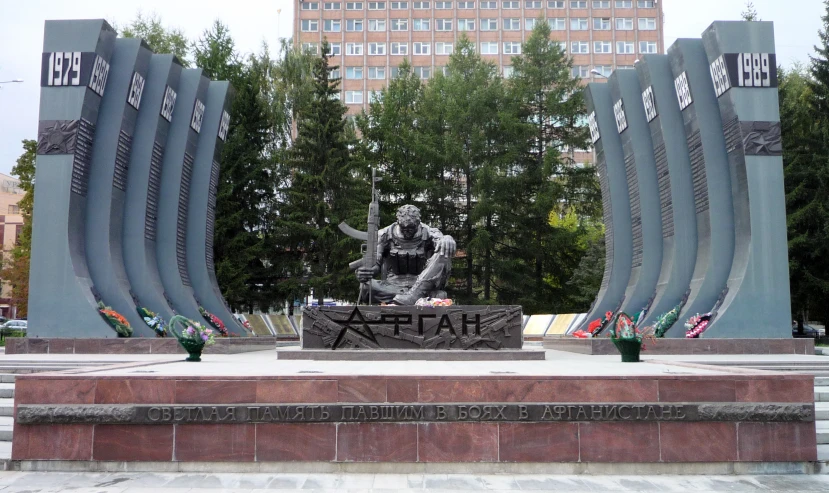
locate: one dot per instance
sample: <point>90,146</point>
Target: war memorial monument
<point>688,153</point>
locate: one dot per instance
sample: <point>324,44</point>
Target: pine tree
<point>750,13</point>
<point>325,189</point>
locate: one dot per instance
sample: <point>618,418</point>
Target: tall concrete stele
<point>696,135</point>
<point>127,172</point>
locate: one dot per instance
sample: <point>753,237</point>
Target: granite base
<point>400,355</point>
<point>604,346</point>
<point>118,345</point>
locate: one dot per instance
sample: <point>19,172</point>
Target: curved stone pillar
<point>615,202</point>
<point>643,190</point>
<point>108,175</point>
<point>744,70</point>
<point>710,175</point>
<point>75,68</point>
<point>202,209</point>
<point>144,184</point>
<point>676,191</point>
<point>176,173</point>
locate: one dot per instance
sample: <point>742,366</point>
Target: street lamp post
<point>596,72</point>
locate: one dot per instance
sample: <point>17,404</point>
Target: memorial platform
<point>604,346</point>
<point>257,412</point>
<point>132,345</point>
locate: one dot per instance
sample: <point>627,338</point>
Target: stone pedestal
<point>412,327</point>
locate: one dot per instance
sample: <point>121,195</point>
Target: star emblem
<point>364,331</point>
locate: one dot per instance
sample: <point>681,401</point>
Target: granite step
<point>6,407</point>
<point>9,378</point>
<point>821,411</point>
<point>822,394</point>
<point>6,391</point>
<point>6,427</point>
<point>822,381</point>
<point>822,429</point>
<point>823,452</point>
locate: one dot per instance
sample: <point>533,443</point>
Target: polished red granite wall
<point>603,345</point>
<point>666,442</point>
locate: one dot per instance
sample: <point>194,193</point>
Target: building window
<point>335,49</point>
<point>580,47</point>
<point>647,24</point>
<point>309,48</point>
<point>562,45</point>
<point>14,209</point>
<point>645,4</point>
<point>466,24</point>
<point>602,47</point>
<point>375,96</point>
<point>512,24</point>
<point>419,48</point>
<point>354,48</point>
<point>578,23</point>
<point>444,48</point>
<point>377,72</point>
<point>334,74</point>
<point>422,72</point>
<point>578,4</point>
<point>489,24</point>
<point>466,5</point>
<point>332,25</point>
<point>624,47</point>
<point>512,48</point>
<point>377,24</point>
<point>354,5</point>
<point>400,24</point>
<point>601,4</point>
<point>309,25</point>
<point>399,49</point>
<point>399,5</point>
<point>420,5</point>
<point>604,69</point>
<point>601,23</point>
<point>354,72</point>
<point>489,48</point>
<point>443,24</point>
<point>647,47</point>
<point>489,5</point>
<point>581,71</point>
<point>625,67</point>
<point>624,4</point>
<point>354,25</point>
<point>624,24</point>
<point>420,24</point>
<point>557,24</point>
<point>353,97</point>
<point>333,5</point>
<point>511,5</point>
<point>377,5</point>
<point>377,48</point>
<point>394,72</point>
<point>529,24</point>
<point>555,4</point>
<point>532,4</point>
<point>443,5</point>
<point>310,5</point>
<point>508,71</point>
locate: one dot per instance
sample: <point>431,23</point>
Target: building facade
<point>369,39</point>
<point>11,224</point>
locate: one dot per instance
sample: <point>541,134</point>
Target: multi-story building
<point>11,223</point>
<point>370,39</point>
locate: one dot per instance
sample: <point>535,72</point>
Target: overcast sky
<point>253,22</point>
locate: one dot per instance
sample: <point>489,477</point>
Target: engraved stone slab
<point>395,413</point>
<point>412,327</point>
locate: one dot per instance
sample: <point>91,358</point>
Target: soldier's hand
<point>447,247</point>
<point>364,274</point>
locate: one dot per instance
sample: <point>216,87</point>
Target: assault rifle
<point>369,248</point>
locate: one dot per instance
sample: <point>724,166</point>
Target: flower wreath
<point>696,325</point>
<point>214,321</point>
<point>153,321</point>
<point>115,320</point>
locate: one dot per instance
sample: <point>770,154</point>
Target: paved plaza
<point>388,483</point>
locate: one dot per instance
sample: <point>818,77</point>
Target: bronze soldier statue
<point>414,261</point>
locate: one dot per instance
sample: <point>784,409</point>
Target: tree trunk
<point>488,261</point>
